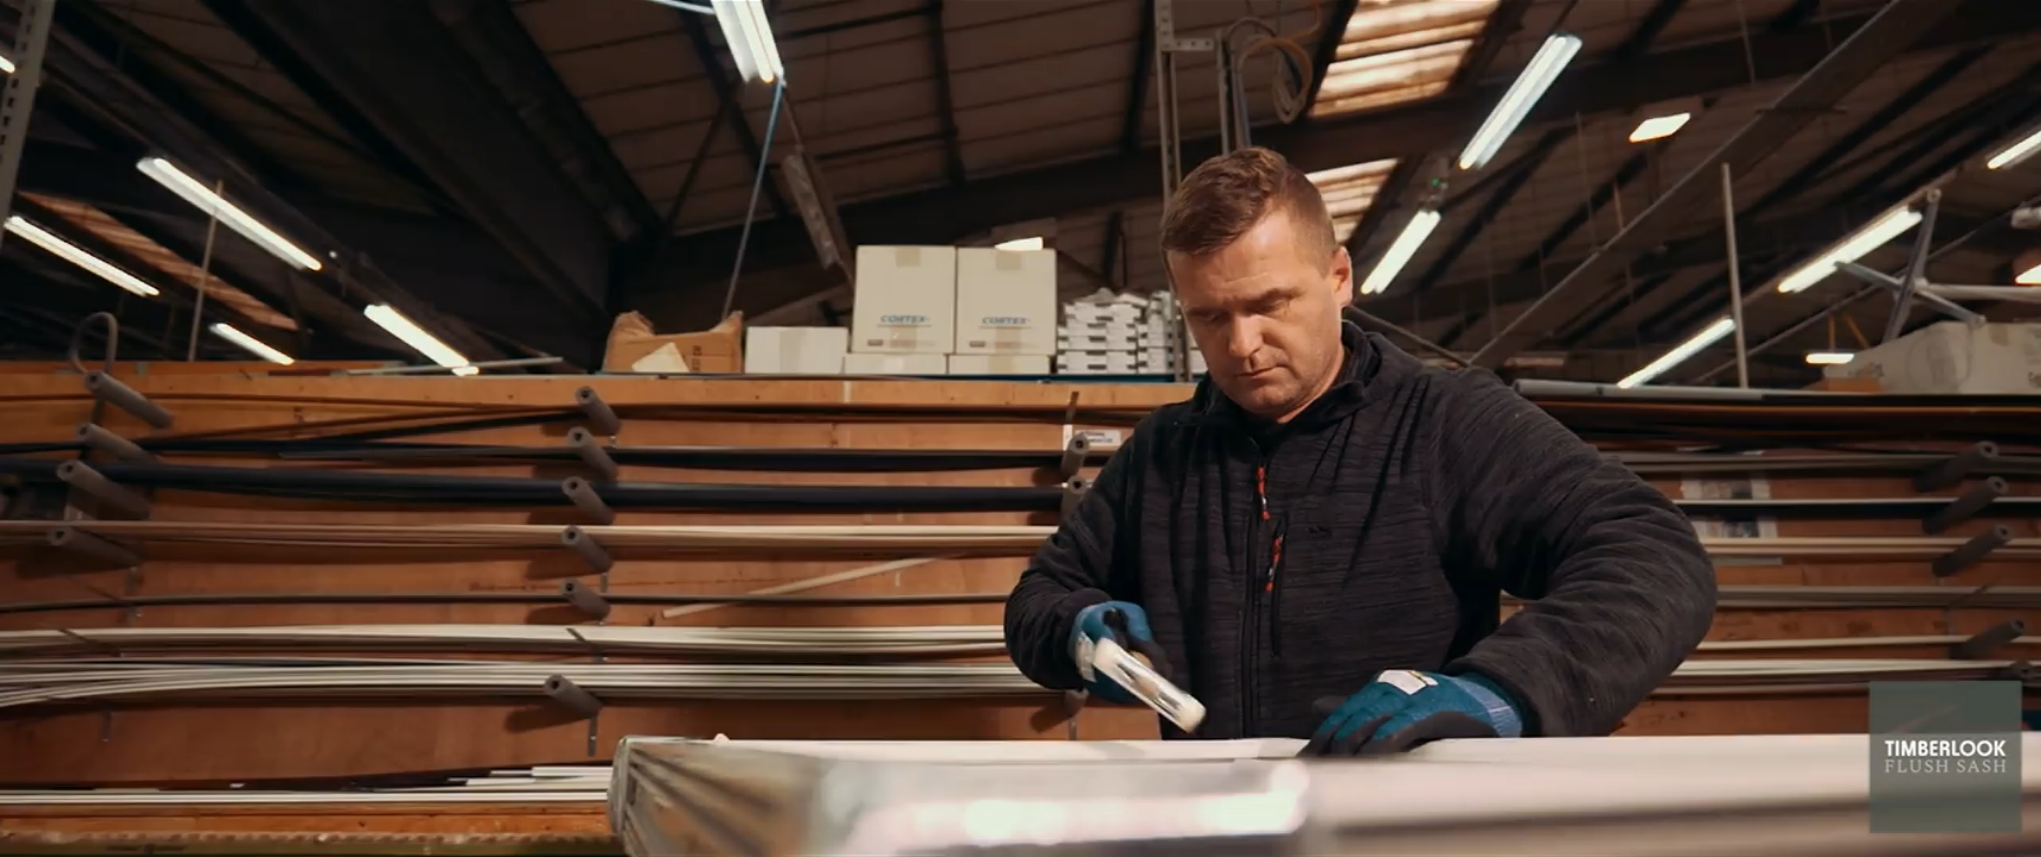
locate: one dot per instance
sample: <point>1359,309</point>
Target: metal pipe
<point>1989,640</point>
<point>1735,278</point>
<point>111,497</point>
<point>583,496</point>
<point>1953,470</point>
<point>569,694</point>
<point>435,368</point>
<point>1967,506</point>
<point>109,389</point>
<point>1074,455</point>
<point>1973,552</point>
<point>105,442</point>
<point>600,416</point>
<point>585,599</point>
<point>92,547</point>
<point>586,547</point>
<point>590,449</point>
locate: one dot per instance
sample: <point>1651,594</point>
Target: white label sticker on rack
<point>1101,438</point>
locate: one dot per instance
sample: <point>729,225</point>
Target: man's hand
<point>1124,623</point>
<point>1401,709</point>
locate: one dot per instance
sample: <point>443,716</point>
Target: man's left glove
<point>1401,709</point>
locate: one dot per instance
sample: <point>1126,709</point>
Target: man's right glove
<point>1125,623</point>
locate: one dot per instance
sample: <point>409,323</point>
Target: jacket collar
<point>1372,367</point>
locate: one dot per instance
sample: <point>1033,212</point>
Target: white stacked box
<point>1108,334</point>
<point>1006,302</point>
<point>906,302</point>
<point>795,350</point>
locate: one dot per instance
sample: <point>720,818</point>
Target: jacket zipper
<point>1250,638</point>
<point>1273,588</point>
<point>1252,621</point>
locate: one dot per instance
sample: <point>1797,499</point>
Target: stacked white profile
<point>1121,334</point>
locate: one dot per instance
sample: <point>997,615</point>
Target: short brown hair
<point>1228,195</point>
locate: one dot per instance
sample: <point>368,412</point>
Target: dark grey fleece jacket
<point>1385,523</point>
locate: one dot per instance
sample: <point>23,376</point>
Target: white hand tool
<point>1126,669</point>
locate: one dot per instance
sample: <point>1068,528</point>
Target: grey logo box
<point>1945,757</point>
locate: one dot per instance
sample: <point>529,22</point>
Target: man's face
<point>1265,312</point>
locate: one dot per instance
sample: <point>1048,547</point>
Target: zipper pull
<point>1275,562</point>
<point>1261,489</point>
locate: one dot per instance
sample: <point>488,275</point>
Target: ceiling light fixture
<point>1829,358</point>
<point>1659,127</point>
<point>168,175</point>
<point>2029,277</point>
<point>1034,243</point>
<point>254,346</point>
<point>76,255</point>
<point>1399,253</point>
<point>1880,233</point>
<point>750,38</point>
<point>2015,153</point>
<point>1709,336</point>
<point>6,65</point>
<point>416,337</point>
<point>1551,59</point>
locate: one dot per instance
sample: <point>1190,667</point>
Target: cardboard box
<point>635,347</point>
<point>999,364</point>
<point>896,364</point>
<point>1006,301</point>
<point>795,350</point>
<point>906,301</point>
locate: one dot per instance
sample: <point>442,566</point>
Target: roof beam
<point>1137,82</point>
<point>107,94</point>
<point>1507,19</point>
<point>1519,173</point>
<point>1879,41</point>
<point>506,53</point>
<point>1829,162</point>
<point>1647,31</point>
<point>719,79</point>
<point>943,216</point>
<point>945,107</point>
<point>403,70</point>
<point>363,138</point>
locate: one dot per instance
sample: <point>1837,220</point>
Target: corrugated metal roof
<point>1392,53</point>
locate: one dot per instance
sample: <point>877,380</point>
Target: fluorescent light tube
<point>1019,244</point>
<point>416,337</point>
<point>1551,59</point>
<point>2016,152</point>
<point>1881,232</point>
<point>1405,246</point>
<point>1829,358</point>
<point>168,175</point>
<point>1675,357</point>
<point>76,255</point>
<point>1659,127</point>
<point>2029,277</point>
<point>750,39</point>
<point>254,346</point>
<point>6,65</point>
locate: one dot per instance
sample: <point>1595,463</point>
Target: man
<point>1315,544</point>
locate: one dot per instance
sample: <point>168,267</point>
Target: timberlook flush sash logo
<point>1945,757</point>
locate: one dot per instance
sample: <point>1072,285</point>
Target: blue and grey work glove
<point>1124,623</point>
<point>1401,709</point>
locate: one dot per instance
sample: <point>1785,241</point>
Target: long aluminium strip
<point>946,539</point>
<point>1728,597</point>
<point>768,681</point>
<point>952,640</point>
<point>411,488</point>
